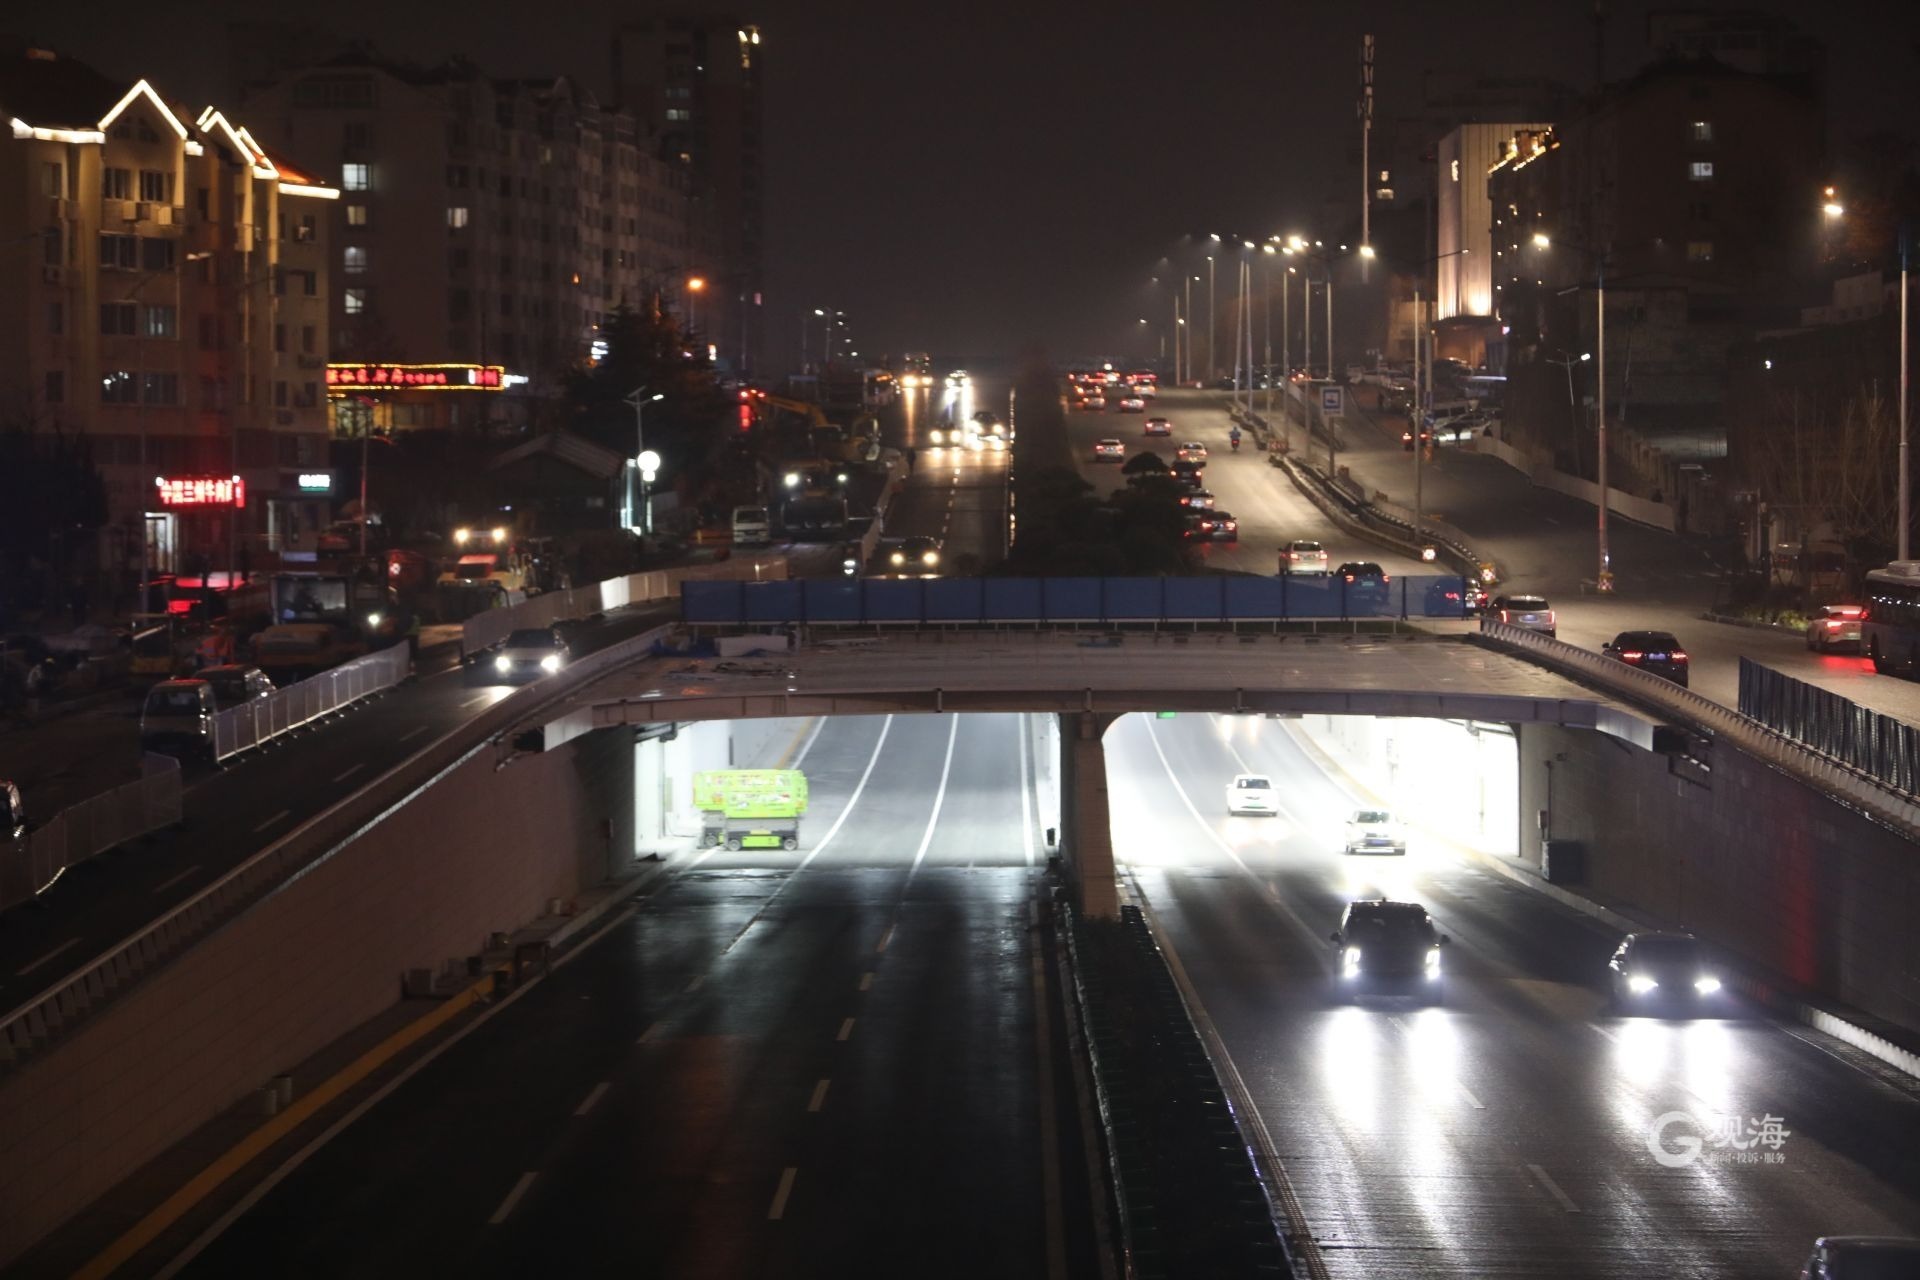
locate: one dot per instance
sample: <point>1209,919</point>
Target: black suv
<point>1655,652</point>
<point>1364,580</point>
<point>1389,946</point>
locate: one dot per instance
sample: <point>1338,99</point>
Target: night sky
<point>977,178</point>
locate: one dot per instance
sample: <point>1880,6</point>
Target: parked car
<point>177,719</point>
<point>752,526</point>
<point>1655,652</point>
<point>1832,627</point>
<point>1531,612</point>
<point>234,683</point>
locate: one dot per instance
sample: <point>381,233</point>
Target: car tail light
<point>1549,617</point>
<point>1503,616</point>
<point>1678,656</point>
<point>1631,655</point>
<point>1233,524</point>
<point>1384,579</point>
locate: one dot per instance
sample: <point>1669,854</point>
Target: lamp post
<point>1213,361</point>
<point>649,466</point>
<point>696,286</point>
<point>640,400</point>
<point>140,407</point>
<point>1189,314</point>
<point>1603,579</point>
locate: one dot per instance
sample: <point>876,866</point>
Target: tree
<point>645,350</point>
<point>1144,463</point>
<point>52,504</point>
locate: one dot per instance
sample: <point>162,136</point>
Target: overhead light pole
<point>640,400</point>
<point>1603,580</point>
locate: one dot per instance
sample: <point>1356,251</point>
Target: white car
<point>1375,831</point>
<point>1304,556</point>
<point>1252,793</point>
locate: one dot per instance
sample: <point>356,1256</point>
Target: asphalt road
<point>825,1062</point>
<point>1506,1132</point>
<point>1271,511</point>
<point>956,495</point>
<point>232,812</point>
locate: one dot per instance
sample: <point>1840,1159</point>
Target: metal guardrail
<point>1104,601</point>
<point>1860,792</point>
<point>485,630</point>
<point>30,865</point>
<point>37,1022</point>
<point>246,726</point>
<point>1876,745</point>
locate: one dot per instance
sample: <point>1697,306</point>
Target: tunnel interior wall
<point>1776,871</point>
<point>1457,778</point>
<point>481,850</point>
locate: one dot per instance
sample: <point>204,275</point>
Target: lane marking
<point>513,1198</point>
<point>284,813</point>
<point>779,1207</point>
<point>599,1091</point>
<point>1027,797</point>
<point>1049,1124</point>
<point>819,1098</point>
<point>819,723</point>
<point>342,777</point>
<point>1472,1101</point>
<point>475,701</point>
<point>885,938</point>
<point>694,985</point>
<point>167,884</point>
<point>648,1034</point>
<point>70,942</point>
<point>939,799</point>
<point>1553,1189</point>
<point>413,733</point>
<point>846,1029</point>
<point>866,982</point>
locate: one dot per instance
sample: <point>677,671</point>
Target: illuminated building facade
<point>166,297</point>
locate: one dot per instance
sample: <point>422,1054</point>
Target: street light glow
<point>1366,251</point>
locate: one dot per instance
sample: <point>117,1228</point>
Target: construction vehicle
<point>831,443</point>
<point>750,808</point>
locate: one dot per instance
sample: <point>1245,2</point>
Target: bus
<point>1890,633</point>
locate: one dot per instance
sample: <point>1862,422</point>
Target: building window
<point>1699,251</point>
<point>56,318</point>
<point>56,387</point>
<point>307,337</point>
<point>119,251</point>
<point>279,395</point>
<point>354,301</point>
<point>118,387</point>
<point>457,216</point>
<point>50,246</point>
<point>1700,170</point>
<point>161,388</point>
<point>1702,131</point>
<point>353,259</point>
<point>309,283</point>
<point>156,186</point>
<point>156,254</point>
<point>356,177</point>
<point>280,338</point>
<point>358,135</point>
<point>53,179</point>
<point>678,114</point>
<point>457,175</point>
<point>356,215</point>
<point>116,184</point>
<point>161,322</point>
<point>117,319</point>
<point>306,230</point>
<point>306,396</point>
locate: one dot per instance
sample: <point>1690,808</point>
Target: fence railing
<point>1877,745</point>
<point>246,726</point>
<point>993,601</point>
<point>1858,791</point>
<point>30,864</point>
<point>485,630</point>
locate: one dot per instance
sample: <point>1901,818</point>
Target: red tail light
<point>1384,579</point>
<point>1503,616</point>
<point>1549,617</point>
<point>1631,655</point>
<point>1679,656</point>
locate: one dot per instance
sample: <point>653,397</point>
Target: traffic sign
<point>1333,402</point>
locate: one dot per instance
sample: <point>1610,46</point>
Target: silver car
<point>1531,612</point>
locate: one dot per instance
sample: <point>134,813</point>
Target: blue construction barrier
<point>1099,601</point>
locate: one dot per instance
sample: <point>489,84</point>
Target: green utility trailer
<point>750,808</point>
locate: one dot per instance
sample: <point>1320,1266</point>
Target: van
<point>177,719</point>
<point>751,527</point>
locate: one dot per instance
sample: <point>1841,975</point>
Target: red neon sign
<point>201,491</point>
<point>440,377</point>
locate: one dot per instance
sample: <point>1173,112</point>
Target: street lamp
<point>1603,580</point>
<point>640,400</point>
<point>140,410</point>
<point>649,464</point>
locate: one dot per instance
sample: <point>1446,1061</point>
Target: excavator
<point>832,443</point>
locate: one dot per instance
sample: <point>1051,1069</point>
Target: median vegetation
<point>1190,1201</point>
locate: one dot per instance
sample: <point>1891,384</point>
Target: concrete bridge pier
<point>1086,841</point>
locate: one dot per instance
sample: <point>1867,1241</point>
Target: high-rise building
<point>696,83</point>
<point>482,223</point>
<point>165,297</point>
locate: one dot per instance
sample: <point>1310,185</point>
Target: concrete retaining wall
<point>1642,510</point>
<point>1774,870</point>
<point>481,851</point>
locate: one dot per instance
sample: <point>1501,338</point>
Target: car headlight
<point>898,558</point>
<point>849,564</point>
<point>932,557</point>
<point>1350,961</point>
<point>1640,984</point>
<point>503,663</point>
<point>1706,985</point>
<point>1433,962</point>
<point>550,663</point>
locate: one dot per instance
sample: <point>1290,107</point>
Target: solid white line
<point>885,938</point>
<point>1049,1125</point>
<point>819,723</point>
<point>21,973</point>
<point>1472,1101</point>
<point>780,1196</point>
<point>342,777</point>
<point>694,985</point>
<point>866,982</point>
<point>513,1198</point>
<point>168,883</point>
<point>414,732</point>
<point>475,701</point>
<point>846,1030</point>
<point>819,1098</point>
<point>1553,1189</point>
<point>599,1091</point>
<point>1026,793</point>
<point>852,800</point>
<point>270,821</point>
<point>939,799</point>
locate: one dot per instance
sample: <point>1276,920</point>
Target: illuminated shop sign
<point>316,482</point>
<point>417,377</point>
<point>201,491</point>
